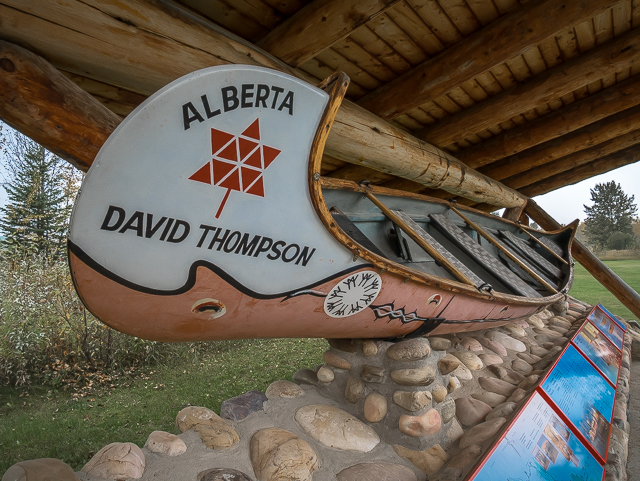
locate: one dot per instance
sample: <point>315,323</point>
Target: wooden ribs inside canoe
<point>434,238</point>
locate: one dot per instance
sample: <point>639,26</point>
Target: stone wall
<point>425,408</point>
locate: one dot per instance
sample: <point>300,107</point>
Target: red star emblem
<point>238,162</point>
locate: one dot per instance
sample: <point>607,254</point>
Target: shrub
<point>47,334</point>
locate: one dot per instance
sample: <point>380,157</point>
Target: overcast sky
<point>564,204</point>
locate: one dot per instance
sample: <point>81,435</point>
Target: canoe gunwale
<point>336,86</point>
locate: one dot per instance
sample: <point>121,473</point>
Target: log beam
<point>37,99</point>
<point>570,163</point>
<point>502,39</point>
<point>612,132</point>
<point>614,56</point>
<point>319,25</point>
<point>586,171</point>
<point>150,43</point>
<point>563,121</point>
<point>609,279</point>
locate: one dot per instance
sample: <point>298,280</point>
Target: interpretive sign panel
<point>599,350</point>
<point>608,313</point>
<point>584,397</point>
<point>539,446</point>
<point>607,325</point>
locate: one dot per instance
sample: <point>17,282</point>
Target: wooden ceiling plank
<point>397,40</point>
<point>506,6</point>
<point>591,135</point>
<point>561,122</point>
<point>229,18</point>
<point>621,17</point>
<point>484,10</point>
<point>287,7</point>
<point>597,167</point>
<point>530,24</point>
<point>519,68</point>
<point>550,52</point>
<point>361,58</point>
<point>461,16</point>
<point>535,62</point>
<point>573,161</point>
<point>437,20</point>
<point>411,23</point>
<point>603,27</point>
<point>567,43</point>
<point>318,26</point>
<point>369,39</point>
<point>635,13</point>
<point>319,70</point>
<point>336,61</point>
<point>585,36</point>
<point>613,56</point>
<point>357,136</point>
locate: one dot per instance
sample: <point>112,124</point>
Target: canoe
<point>205,216</point>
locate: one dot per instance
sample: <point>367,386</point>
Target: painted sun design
<point>353,294</point>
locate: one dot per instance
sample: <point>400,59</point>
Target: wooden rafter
<point>570,162</point>
<point>613,56</point>
<point>609,130</point>
<point>581,113</point>
<point>357,135</point>
<point>583,172</point>
<point>501,40</point>
<point>319,25</point>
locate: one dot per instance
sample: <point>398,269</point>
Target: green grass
<point>588,289</point>
<point>42,422</point>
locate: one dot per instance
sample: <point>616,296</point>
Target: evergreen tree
<point>610,217</point>
<point>35,217</point>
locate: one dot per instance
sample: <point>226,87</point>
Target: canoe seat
<point>477,281</point>
<point>352,231</point>
<point>482,256</point>
<point>532,255</point>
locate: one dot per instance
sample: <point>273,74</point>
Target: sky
<point>566,204</point>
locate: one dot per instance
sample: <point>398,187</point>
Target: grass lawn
<point>587,289</point>
<point>43,422</point>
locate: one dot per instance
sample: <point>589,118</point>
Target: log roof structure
<point>534,94</point>
<point>489,102</point>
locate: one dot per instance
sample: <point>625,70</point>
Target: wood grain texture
<point>319,25</point>
<point>587,137</point>
<point>572,161</point>
<point>607,102</point>
<point>613,56</point>
<point>150,43</point>
<point>501,40</point>
<point>37,99</point>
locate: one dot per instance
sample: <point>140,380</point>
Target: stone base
<point>376,410</point>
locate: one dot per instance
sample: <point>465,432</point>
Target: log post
<point>609,279</point>
<point>36,99</point>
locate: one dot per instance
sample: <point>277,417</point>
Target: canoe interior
<point>367,225</point>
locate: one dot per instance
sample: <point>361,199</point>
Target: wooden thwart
<point>429,244</point>
<point>504,250</point>
<point>533,256</point>
<point>483,257</point>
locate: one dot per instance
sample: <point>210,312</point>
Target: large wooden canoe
<point>204,216</point>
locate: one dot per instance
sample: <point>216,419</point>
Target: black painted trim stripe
<point>191,279</point>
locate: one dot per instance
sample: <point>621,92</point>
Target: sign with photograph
<point>608,313</point>
<point>607,325</point>
<point>539,446</point>
<point>599,350</point>
<point>583,396</point>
